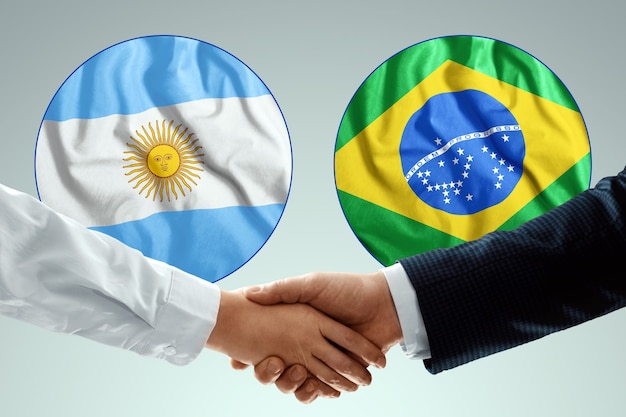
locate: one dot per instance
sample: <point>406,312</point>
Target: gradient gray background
<point>313,56</point>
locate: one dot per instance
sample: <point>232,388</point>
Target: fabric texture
<point>174,147</point>
<point>57,274</point>
<point>453,138</point>
<point>512,287</point>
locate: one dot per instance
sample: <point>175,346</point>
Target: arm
<point>499,291</point>
<point>57,274</point>
<point>512,287</point>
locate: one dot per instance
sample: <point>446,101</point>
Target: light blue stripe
<point>210,244</point>
<point>154,71</point>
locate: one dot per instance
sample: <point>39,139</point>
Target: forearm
<point>509,288</point>
<point>57,274</point>
<point>235,333</point>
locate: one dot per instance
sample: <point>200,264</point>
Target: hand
<point>293,379</point>
<point>299,334</point>
<point>361,301</point>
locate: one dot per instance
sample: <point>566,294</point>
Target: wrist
<point>226,327</point>
<point>388,314</point>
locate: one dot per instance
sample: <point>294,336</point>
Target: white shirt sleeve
<point>57,274</point>
<point>415,340</point>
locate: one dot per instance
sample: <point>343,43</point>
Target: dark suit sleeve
<point>508,288</point>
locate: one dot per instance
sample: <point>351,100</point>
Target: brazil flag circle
<point>453,138</point>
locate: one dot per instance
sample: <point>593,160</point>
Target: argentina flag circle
<point>171,145</point>
<point>462,152</point>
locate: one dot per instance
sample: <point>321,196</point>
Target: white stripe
<point>247,160</point>
<point>461,138</point>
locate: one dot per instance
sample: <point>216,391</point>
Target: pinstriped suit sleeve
<point>509,288</point>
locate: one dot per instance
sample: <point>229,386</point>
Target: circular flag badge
<point>453,138</point>
<point>174,147</point>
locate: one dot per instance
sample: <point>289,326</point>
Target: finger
<point>269,370</point>
<point>342,368</point>
<point>324,390</point>
<point>313,389</point>
<point>292,379</point>
<point>308,392</point>
<point>235,364</point>
<point>334,378</point>
<point>354,343</point>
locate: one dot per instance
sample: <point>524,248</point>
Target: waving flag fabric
<point>171,145</point>
<point>453,138</point>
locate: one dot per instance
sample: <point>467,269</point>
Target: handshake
<point>316,335</point>
<point>312,335</point>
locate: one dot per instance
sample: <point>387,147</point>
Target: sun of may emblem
<point>164,160</point>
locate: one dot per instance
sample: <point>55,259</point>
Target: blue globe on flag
<point>462,152</point>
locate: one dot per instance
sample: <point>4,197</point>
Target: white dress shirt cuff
<point>186,320</point>
<point>415,341</point>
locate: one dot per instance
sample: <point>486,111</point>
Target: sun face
<point>164,160</point>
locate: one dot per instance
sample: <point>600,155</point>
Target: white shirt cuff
<point>186,320</point>
<point>415,341</point>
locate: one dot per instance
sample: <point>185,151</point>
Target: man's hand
<point>299,334</point>
<point>360,301</point>
<point>289,380</point>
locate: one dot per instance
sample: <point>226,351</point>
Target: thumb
<point>282,291</point>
